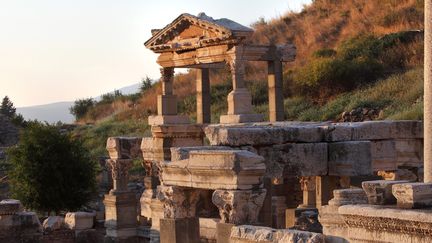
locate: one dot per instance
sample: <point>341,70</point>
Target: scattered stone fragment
<point>380,192</point>
<point>53,223</point>
<point>413,195</point>
<point>79,220</point>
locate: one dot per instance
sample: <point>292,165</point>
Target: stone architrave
<point>413,195</point>
<point>380,192</point>
<point>352,158</point>
<point>239,206</point>
<point>178,202</point>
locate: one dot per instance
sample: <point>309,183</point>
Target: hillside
<point>343,46</point>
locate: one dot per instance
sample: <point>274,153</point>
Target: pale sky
<point>62,50</point>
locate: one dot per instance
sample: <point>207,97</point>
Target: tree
<point>146,84</point>
<point>7,108</point>
<point>50,171</point>
<point>81,107</point>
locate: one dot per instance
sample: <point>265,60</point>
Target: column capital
<point>120,172</point>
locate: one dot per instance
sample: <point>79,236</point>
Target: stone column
<point>120,204</point>
<point>275,84</point>
<point>240,108</point>
<point>167,102</point>
<point>428,93</point>
<point>324,189</point>
<point>308,186</point>
<point>180,224</point>
<point>203,96</point>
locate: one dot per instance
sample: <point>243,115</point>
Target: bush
<point>81,107</point>
<point>50,171</point>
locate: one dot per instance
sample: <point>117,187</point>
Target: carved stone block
<point>413,195</point>
<point>380,192</point>
<point>178,202</point>
<point>239,206</point>
<point>123,147</point>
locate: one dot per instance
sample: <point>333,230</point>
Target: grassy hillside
<point>357,60</point>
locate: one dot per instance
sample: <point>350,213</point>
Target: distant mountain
<point>59,111</point>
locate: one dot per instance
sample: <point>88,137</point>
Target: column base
<point>241,118</point>
<point>168,119</point>
<point>182,230</point>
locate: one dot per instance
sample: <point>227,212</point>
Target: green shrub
<point>81,107</point>
<point>50,171</point>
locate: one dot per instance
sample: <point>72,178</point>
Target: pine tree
<point>7,108</point>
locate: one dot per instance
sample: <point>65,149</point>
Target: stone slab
<point>218,169</point>
<point>352,158</point>
<point>208,228</point>
<point>262,134</point>
<point>413,195</point>
<point>296,159</point>
<point>379,192</point>
<point>79,220</point>
<point>123,147</point>
<point>223,231</point>
<point>348,196</point>
<point>409,152</point>
<point>384,155</point>
<point>181,153</point>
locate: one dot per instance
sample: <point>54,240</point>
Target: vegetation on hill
<point>351,55</point>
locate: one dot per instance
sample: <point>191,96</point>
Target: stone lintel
<point>379,192</point>
<point>413,195</point>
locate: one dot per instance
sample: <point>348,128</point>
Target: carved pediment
<point>189,32</point>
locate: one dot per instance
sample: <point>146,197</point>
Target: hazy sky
<point>59,50</point>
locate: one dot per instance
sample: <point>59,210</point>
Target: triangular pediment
<point>191,32</point>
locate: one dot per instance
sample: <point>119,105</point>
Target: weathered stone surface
<point>375,223</point>
<point>308,221</point>
<point>178,202</point>
<point>250,234</point>
<point>348,196</point>
<point>79,220</point>
<point>373,130</point>
<point>240,118</point>
<point>123,147</point>
<point>279,207</point>
<point>296,159</point>
<point>384,155</point>
<point>168,119</point>
<point>53,223</point>
<point>239,206</point>
<point>409,152</point>
<point>261,134</point>
<point>351,158</point>
<point>20,227</point>
<point>218,169</point>
<point>10,206</point>
<point>182,153</point>
<point>413,195</point>
<point>120,173</point>
<point>380,192</point>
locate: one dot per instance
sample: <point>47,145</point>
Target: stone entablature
<point>383,224</point>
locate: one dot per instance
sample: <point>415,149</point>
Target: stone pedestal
<point>223,232</point>
<point>275,86</point>
<point>120,215</point>
<point>180,230</point>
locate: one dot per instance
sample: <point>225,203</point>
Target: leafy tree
<point>50,171</point>
<point>7,107</point>
<point>146,84</point>
<point>81,107</point>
